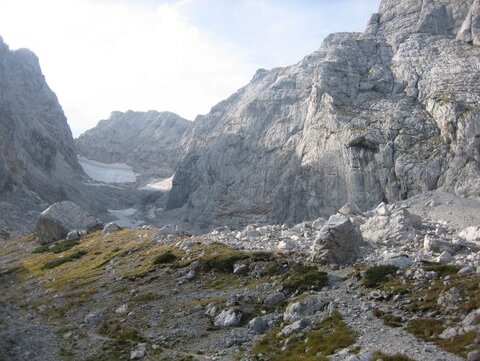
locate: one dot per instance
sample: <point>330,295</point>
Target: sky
<point>183,56</point>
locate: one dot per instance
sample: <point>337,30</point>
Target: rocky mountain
<point>369,117</point>
<point>147,141</point>
<point>38,164</point>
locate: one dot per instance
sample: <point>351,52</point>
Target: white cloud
<point>182,56</point>
<point>100,56</point>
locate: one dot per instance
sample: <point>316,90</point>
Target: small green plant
<point>376,275</point>
<point>165,257</point>
<point>441,269</point>
<point>59,261</point>
<point>327,337</point>
<point>57,247</point>
<point>305,278</point>
<point>387,318</point>
<point>426,329</point>
<point>119,331</point>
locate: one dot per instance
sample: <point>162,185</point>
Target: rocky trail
<point>261,293</point>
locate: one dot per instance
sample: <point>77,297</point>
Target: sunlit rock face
<point>369,117</point>
<point>147,141</point>
<point>38,164</point>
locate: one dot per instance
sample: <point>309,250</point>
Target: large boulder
<point>338,242</point>
<point>59,219</point>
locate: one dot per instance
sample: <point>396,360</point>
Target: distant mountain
<point>147,141</point>
<point>380,115</point>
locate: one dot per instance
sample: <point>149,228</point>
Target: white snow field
<point>163,184</point>
<point>107,173</point>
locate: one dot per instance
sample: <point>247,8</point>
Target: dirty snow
<point>108,173</point>
<point>163,184</point>
<point>125,217</point>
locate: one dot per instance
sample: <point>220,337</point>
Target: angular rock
<point>274,298</point>
<point>350,209</point>
<point>294,327</point>
<point>338,242</point>
<point>304,308</point>
<point>110,228</point>
<point>228,318</point>
<point>73,235</point>
<point>56,221</point>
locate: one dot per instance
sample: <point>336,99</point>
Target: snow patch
<point>108,173</point>
<point>125,217</point>
<point>163,184</point>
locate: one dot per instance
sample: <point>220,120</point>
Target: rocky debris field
<point>394,283</point>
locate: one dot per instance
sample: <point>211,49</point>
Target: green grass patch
<point>59,261</point>
<point>441,269</point>
<point>376,275</point>
<point>388,319</point>
<point>221,258</point>
<point>57,247</point>
<point>119,331</point>
<point>305,278</point>
<point>165,257</point>
<point>426,329</point>
<point>322,341</point>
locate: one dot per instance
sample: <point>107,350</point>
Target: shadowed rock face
<point>38,164</point>
<point>376,116</point>
<point>147,141</point>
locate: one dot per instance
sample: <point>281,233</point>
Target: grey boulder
<point>338,242</point>
<point>59,219</point>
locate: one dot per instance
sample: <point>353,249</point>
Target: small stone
<point>294,327</point>
<point>137,354</point>
<point>240,269</point>
<point>110,228</point>
<point>473,356</point>
<point>257,325</point>
<point>274,298</point>
<point>122,309</point>
<point>190,276</point>
<point>228,318</point>
<point>73,235</point>
<point>467,270</point>
<point>445,257</point>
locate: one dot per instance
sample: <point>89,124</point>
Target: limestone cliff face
<point>373,116</point>
<point>147,141</point>
<point>37,159</point>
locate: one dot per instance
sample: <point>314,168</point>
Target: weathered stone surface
<point>372,117</point>
<point>228,318</point>
<point>59,219</point>
<point>338,242</point>
<point>110,228</point>
<point>304,308</point>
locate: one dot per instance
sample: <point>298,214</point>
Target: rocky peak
<point>368,117</point>
<point>396,20</point>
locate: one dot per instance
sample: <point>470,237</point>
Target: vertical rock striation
<point>369,117</point>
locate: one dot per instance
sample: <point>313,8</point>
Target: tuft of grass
<point>385,357</point>
<point>376,275</point>
<point>119,331</point>
<point>221,258</point>
<point>305,278</point>
<point>388,319</point>
<point>322,341</point>
<point>462,344</point>
<point>261,256</point>
<point>57,247</point>
<point>426,329</point>
<point>165,257</point>
<point>441,269</point>
<point>59,261</point>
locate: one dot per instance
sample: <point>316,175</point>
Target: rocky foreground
<point>400,282</point>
